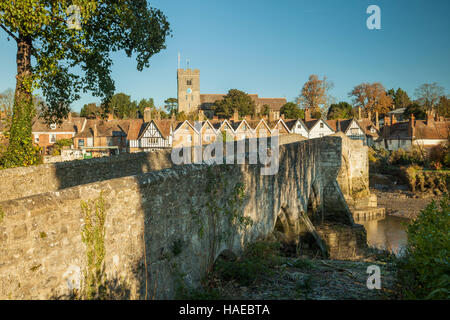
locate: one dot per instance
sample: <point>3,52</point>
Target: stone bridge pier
<point>165,224</point>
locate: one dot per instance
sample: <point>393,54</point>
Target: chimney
<point>69,117</point>
<point>248,118</point>
<point>215,118</point>
<point>338,126</point>
<point>235,116</point>
<point>411,128</point>
<point>359,113</point>
<point>307,114</point>
<point>147,114</point>
<point>393,119</point>
<point>201,115</point>
<point>377,121</point>
<point>430,118</point>
<point>386,127</point>
<point>95,130</point>
<point>271,116</point>
<point>110,117</point>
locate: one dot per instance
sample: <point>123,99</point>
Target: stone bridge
<point>169,223</point>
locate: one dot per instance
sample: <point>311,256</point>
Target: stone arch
<point>314,207</point>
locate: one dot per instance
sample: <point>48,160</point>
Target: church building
<point>191,100</point>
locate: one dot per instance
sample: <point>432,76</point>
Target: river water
<point>388,233</point>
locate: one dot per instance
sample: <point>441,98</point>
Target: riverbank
<point>402,203</point>
<point>296,278</point>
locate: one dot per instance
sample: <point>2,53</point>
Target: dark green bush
<point>258,260</point>
<point>424,270</point>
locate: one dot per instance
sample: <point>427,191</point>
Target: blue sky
<point>271,47</point>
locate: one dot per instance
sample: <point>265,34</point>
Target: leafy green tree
<point>64,53</point>
<point>399,97</point>
<point>291,111</point>
<point>235,100</point>
<point>416,109</point>
<point>122,106</point>
<point>171,105</point>
<point>144,104</point>
<point>90,110</point>
<point>265,110</point>
<point>341,110</point>
<point>443,107</point>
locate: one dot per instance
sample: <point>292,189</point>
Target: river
<point>388,233</point>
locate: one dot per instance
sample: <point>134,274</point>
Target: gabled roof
<point>237,125</point>
<point>433,130</point>
<point>74,126</point>
<point>274,124</point>
<point>291,123</point>
<point>219,124</point>
<point>255,124</point>
<point>104,128</point>
<point>312,123</point>
<point>367,125</point>
<point>343,125</point>
<point>134,129</point>
<point>178,124</point>
<point>200,125</point>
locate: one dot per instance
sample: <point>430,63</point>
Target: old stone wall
<point>27,181</point>
<point>162,227</point>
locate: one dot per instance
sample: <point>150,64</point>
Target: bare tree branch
<point>12,35</point>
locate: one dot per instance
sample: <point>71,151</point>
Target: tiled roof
<point>164,126</point>
<point>274,104</point>
<point>105,128</point>
<point>134,129</point>
<point>367,125</point>
<point>311,123</point>
<point>342,124</point>
<point>434,130</point>
<point>75,125</point>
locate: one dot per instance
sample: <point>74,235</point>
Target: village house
<point>297,127</point>
<point>45,136</point>
<point>260,128</point>
<point>101,138</point>
<point>350,127</point>
<point>427,133</point>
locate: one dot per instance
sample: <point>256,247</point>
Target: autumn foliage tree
<point>63,48</point>
<point>372,97</point>
<point>315,94</point>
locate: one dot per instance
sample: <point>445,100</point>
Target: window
<point>299,126</point>
<point>186,97</point>
<point>354,132</point>
<point>90,142</point>
<point>321,135</point>
<point>53,126</point>
<point>189,82</point>
<point>81,143</point>
<point>321,125</point>
<point>192,98</point>
<point>52,138</point>
<point>189,138</point>
<point>36,138</point>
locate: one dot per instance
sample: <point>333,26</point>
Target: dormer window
<point>53,126</point>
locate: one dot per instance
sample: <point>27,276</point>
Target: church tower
<point>188,90</point>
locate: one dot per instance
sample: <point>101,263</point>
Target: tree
<point>292,111</point>
<point>314,94</point>
<point>63,59</point>
<point>428,94</point>
<point>235,100</point>
<point>341,110</point>
<point>144,104</point>
<point>6,102</point>
<point>265,110</point>
<point>416,109</point>
<point>400,98</point>
<point>443,107</point>
<point>372,97</point>
<point>171,105</point>
<point>122,106</point>
<point>90,110</point>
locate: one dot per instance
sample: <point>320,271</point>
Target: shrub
<point>257,261</point>
<point>424,271</point>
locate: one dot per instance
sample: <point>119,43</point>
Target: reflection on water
<point>388,233</point>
